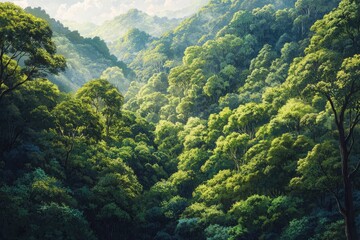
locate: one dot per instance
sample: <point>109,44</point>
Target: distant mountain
<point>127,47</point>
<point>114,29</point>
<point>87,58</point>
<point>168,50</point>
<point>184,12</point>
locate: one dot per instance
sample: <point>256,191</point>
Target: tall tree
<point>73,121</point>
<point>104,98</point>
<point>343,94</point>
<point>26,48</point>
<point>331,68</point>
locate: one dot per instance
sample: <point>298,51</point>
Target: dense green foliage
<point>127,47</point>
<point>196,30</point>
<point>33,50</point>
<point>243,124</point>
<point>87,58</point>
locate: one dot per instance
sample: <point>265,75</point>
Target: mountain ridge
<point>87,58</point>
<point>114,29</point>
<point>242,123</point>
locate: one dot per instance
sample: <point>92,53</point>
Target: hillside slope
<point>247,128</point>
<point>87,58</point>
<point>195,30</point>
<point>120,25</point>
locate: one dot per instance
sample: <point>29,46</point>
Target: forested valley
<point>240,123</point>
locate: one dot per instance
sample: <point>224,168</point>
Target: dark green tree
<point>74,121</point>
<point>104,98</point>
<point>26,48</point>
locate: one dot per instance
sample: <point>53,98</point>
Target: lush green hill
<point>245,125</point>
<point>195,30</point>
<point>87,58</point>
<point>114,29</point>
<point>233,118</point>
<point>127,47</point>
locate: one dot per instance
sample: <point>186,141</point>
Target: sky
<point>97,11</point>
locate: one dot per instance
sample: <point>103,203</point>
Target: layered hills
<point>116,28</point>
<point>242,122</point>
<point>87,58</point>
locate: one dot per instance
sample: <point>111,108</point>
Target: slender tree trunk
<point>350,224</point>
<point>67,157</point>
<point>348,212</point>
<point>107,127</point>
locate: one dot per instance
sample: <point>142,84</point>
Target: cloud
<point>22,4</point>
<point>97,11</point>
<point>93,10</point>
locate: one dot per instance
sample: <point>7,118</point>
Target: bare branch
<point>354,123</point>
<point>355,170</point>
<point>340,207</point>
<point>12,73</point>
<point>337,120</point>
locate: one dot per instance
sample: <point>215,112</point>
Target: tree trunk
<point>350,225</point>
<point>348,211</point>
<point>67,157</point>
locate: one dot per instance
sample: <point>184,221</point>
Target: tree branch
<point>355,170</point>
<point>17,84</point>
<point>337,121</point>
<point>352,127</point>
<point>340,207</point>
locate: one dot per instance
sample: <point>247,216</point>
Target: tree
<point>309,11</point>
<point>234,145</point>
<point>104,98</point>
<point>75,120</point>
<point>246,119</point>
<point>221,190</point>
<point>166,138</point>
<point>215,86</point>
<point>56,221</point>
<point>332,64</point>
<point>137,39</point>
<point>341,89</point>
<point>116,192</point>
<point>343,95</point>
<point>116,77</point>
<point>251,213</point>
<point>26,48</point>
<point>217,232</point>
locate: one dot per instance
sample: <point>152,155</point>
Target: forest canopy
<point>240,123</point>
